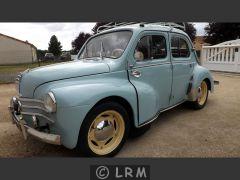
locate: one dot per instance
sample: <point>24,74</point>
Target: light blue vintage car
<point>122,79</point>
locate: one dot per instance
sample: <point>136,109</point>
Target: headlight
<point>50,102</point>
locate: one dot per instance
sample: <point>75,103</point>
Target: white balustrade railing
<point>221,57</point>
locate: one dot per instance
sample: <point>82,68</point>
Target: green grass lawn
<point>8,72</point>
<point>21,67</point>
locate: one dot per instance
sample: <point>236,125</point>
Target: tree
<point>41,53</point>
<point>79,41</point>
<point>190,30</point>
<point>55,46</point>
<point>220,32</point>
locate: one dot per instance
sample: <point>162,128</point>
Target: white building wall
<point>15,52</point>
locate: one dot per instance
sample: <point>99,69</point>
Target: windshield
<point>110,45</point>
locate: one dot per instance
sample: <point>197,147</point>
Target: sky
<point>39,33</point>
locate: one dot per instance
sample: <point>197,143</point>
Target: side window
<point>142,51</point>
<point>151,47</point>
<point>174,46</point>
<point>179,47</point>
<point>158,47</point>
<point>183,48</point>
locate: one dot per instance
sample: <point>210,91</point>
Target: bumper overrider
<point>16,113</point>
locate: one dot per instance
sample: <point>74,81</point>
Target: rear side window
<point>151,47</point>
<point>179,47</point>
<point>183,48</point>
<point>174,46</point>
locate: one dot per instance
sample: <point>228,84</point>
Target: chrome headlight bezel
<point>50,102</point>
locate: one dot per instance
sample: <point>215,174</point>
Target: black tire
<point>196,105</point>
<point>137,132</point>
<point>83,145</point>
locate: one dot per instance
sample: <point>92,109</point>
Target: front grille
<point>33,107</point>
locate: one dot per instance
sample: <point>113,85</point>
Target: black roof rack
<point>114,24</point>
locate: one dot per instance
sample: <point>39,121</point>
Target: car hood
<point>35,77</point>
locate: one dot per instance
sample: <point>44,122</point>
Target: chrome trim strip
<point>52,97</point>
<point>158,113</point>
<point>31,100</point>
<point>37,114</point>
<point>35,107</point>
<point>150,65</point>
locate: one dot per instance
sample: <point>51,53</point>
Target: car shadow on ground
<point>48,150</point>
<point>165,118</point>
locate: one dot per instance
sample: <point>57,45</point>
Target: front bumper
<point>17,119</point>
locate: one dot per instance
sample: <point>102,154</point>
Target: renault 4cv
<point>121,80</point>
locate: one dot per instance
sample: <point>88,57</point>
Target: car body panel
<point>182,72</point>
<point>153,91</point>
<point>59,71</point>
<point>199,74</point>
<point>83,93</point>
<point>79,85</point>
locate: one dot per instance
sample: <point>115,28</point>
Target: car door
<point>151,74</point>
<point>182,58</point>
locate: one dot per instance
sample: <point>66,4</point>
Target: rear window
<point>179,47</point>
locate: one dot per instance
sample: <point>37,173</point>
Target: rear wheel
<point>202,96</point>
<point>104,130</point>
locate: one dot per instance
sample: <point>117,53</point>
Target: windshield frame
<point>100,34</point>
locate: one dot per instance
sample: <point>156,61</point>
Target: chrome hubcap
<point>104,130</point>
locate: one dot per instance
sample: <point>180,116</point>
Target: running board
<point>158,113</point>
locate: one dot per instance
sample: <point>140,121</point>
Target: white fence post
<point>237,60</point>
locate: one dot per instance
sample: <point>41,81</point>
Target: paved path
<point>181,132</point>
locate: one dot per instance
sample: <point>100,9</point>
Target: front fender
<point>76,97</point>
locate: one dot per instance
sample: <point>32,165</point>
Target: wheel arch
<point>122,101</point>
<point>200,74</point>
<point>208,83</point>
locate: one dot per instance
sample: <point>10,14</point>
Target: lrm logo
<point>105,172</point>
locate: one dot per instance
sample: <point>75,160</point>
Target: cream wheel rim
<point>202,91</point>
<point>106,132</point>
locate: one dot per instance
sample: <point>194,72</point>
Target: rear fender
<point>199,74</point>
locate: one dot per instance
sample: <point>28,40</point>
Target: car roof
<point>144,27</point>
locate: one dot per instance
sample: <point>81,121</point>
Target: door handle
<point>190,65</point>
<point>136,73</point>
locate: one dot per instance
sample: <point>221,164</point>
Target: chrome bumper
<point>21,124</point>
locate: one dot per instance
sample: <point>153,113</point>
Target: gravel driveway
<point>181,132</point>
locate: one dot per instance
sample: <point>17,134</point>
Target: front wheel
<point>104,130</point>
<point>202,96</point>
